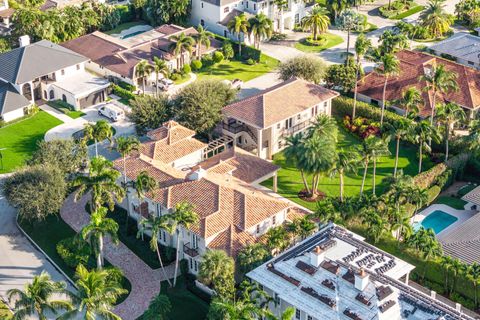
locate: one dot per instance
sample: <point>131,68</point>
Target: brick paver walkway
<point>145,281</point>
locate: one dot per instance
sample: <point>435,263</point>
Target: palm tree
<point>239,25</point>
<point>181,44</point>
<point>155,225</point>
<point>435,19</point>
<point>99,227</point>
<point>159,67</point>
<point>380,149</point>
<point>371,148</point>
<point>143,71</point>
<point>473,137</point>
<point>184,216</point>
<point>281,5</point>
<point>215,264</point>
<point>346,162</point>
<point>98,131</point>
<point>277,239</point>
<point>37,298</point>
<point>391,42</point>
<point>362,46</point>
<point>158,309</point>
<point>410,101</point>
<point>474,276</point>
<point>445,263</point>
<point>294,155</point>
<point>202,38</point>
<point>324,126</point>
<point>375,223</point>
<point>388,66</point>
<point>101,182</point>
<point>399,129</point>
<point>402,226</point>
<point>317,21</point>
<point>97,292</point>
<point>425,242</point>
<point>252,256</point>
<point>349,21</point>
<point>457,267</point>
<point>438,81</point>
<point>261,27</point>
<point>448,114</point>
<point>421,134</point>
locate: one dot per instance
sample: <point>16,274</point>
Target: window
<point>280,144</point>
<point>64,98</point>
<point>258,228</point>
<point>63,72</point>
<point>202,22</point>
<point>164,236</point>
<point>297,314</point>
<point>254,6</point>
<point>225,33</point>
<point>196,265</point>
<point>247,3</point>
<point>52,95</point>
<point>277,299</point>
<point>279,125</point>
<point>274,219</point>
<point>325,104</point>
<point>226,10</point>
<point>191,263</point>
<point>375,102</point>
<point>299,117</point>
<point>309,318</point>
<point>288,123</point>
<point>471,63</point>
<point>202,5</point>
<point>78,67</point>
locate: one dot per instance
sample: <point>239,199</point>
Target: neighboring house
<point>6,14</point>
<point>215,14</point>
<point>232,213</point>
<point>116,57</point>
<point>46,71</point>
<point>334,274</point>
<point>462,48</point>
<point>274,114</point>
<point>413,65</point>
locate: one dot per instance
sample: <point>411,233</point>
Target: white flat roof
<point>82,84</point>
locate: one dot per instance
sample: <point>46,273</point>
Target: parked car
<point>164,84</point>
<point>111,112</point>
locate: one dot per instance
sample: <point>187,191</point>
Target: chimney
<point>316,256</point>
<point>24,40</point>
<point>197,175</point>
<point>361,280</point>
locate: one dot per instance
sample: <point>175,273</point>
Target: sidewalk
<point>55,113</point>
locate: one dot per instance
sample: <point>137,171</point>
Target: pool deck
<point>461,215</point>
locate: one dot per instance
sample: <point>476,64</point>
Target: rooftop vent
<point>198,174</point>
<point>316,256</point>
<point>361,280</point>
<point>24,40</point>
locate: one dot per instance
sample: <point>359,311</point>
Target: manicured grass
<point>75,114</point>
<point>408,13</point>
<point>20,139</point>
<point>332,40</point>
<point>182,80</point>
<point>455,203</point>
<point>235,69</point>
<point>5,312</point>
<point>290,180</point>
<point>125,26</point>
<point>66,109</point>
<point>466,189</point>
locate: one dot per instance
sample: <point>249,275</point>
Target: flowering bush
<point>362,127</point>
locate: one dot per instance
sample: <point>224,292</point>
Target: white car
<point>112,112</point>
<point>164,84</point>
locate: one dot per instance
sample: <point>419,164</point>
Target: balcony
<point>189,250</point>
<point>296,128</point>
<point>234,127</point>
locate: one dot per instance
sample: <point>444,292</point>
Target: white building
<point>334,274</point>
<point>464,48</point>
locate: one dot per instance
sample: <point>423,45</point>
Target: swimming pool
<point>132,34</point>
<point>437,220</point>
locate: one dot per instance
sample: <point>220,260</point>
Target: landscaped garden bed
<point>325,41</point>
<point>399,9</point>
<point>66,108</point>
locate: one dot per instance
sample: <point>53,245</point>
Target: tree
<point>154,225</point>
<point>379,149</point>
<point>371,148</point>
<point>309,68</point>
<point>36,192</point>
<point>438,81</point>
<point>473,137</point>
<point>445,263</point>
<point>97,292</point>
<point>239,25</point>
<point>410,101</point>
<point>421,134</point>
<point>375,223</point>
<point>336,7</point>
<point>473,275</point>
<point>435,19</point>
<point>167,11</point>
<point>317,21</point>
<point>362,46</point>
<point>391,42</point>
<point>448,114</point>
<point>303,227</point>
<point>261,27</point>
<point>181,45</point>
<point>199,105</point>
<point>346,162</point>
<point>399,130</point>
<point>457,267</point>
<point>149,112</point>
<point>343,75</point>
<point>38,298</point>
<point>4,45</point>
<point>388,66</point>
<point>97,131</point>
<point>158,309</point>
<point>143,70</point>
<point>217,269</point>
<point>252,256</point>
<point>65,155</point>
<point>184,217</point>
<point>425,242</point>
<point>99,227</point>
<point>277,239</point>
<point>101,182</point>
<point>202,38</point>
<point>227,50</point>
<point>349,21</point>
<point>159,67</point>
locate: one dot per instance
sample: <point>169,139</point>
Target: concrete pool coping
<point>461,215</point>
<point>133,29</point>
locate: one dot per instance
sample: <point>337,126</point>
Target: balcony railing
<point>189,250</point>
<point>296,128</point>
<point>234,127</point>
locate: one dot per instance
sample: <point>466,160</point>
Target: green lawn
<point>290,181</point>
<point>466,189</point>
<point>125,26</point>
<point>20,139</point>
<point>182,79</point>
<point>75,114</point>
<point>332,40</point>
<point>408,13</point>
<point>235,69</point>
<point>453,202</point>
<point>66,109</point>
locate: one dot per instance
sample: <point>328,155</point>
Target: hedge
<point>432,176</point>
<point>123,93</point>
<point>126,13</point>
<point>433,193</point>
<point>126,86</point>
<point>248,52</point>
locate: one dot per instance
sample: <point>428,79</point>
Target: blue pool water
<point>437,220</point>
<point>132,34</point>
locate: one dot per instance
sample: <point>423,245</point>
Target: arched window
<point>52,95</point>
<point>27,91</point>
<point>45,94</point>
<point>64,98</point>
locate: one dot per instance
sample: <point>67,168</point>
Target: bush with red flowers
<point>362,127</point>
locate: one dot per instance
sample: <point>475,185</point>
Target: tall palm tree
<point>445,263</point>
<point>261,27</point>
<point>376,224</point>
<point>410,101</point>
<point>402,226</point>
<point>37,298</point>
<point>101,182</point>
<point>425,242</point>
<point>346,162</point>
<point>159,308</point>
<point>97,131</point>
<point>438,80</point>
<point>421,134</point>
<point>391,42</point>
<point>277,239</point>
<point>371,148</point>
<point>215,264</point>
<point>324,126</point>
<point>202,38</point>
<point>160,67</point>
<point>349,21</point>
<point>473,137</point>
<point>252,256</point>
<point>143,71</point>
<point>399,129</point>
<point>435,19</point>
<point>239,25</point>
<point>99,227</point>
<point>362,46</point>
<point>474,276</point>
<point>317,21</point>
<point>448,114</point>
<point>380,149</point>
<point>457,268</point>
<point>155,225</point>
<point>184,217</point>
<point>388,66</point>
<point>97,292</point>
<point>181,45</point>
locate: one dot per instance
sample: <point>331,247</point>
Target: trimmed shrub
<point>196,64</point>
<point>249,53</point>
<point>467,303</point>
<point>74,251</point>
<point>175,76</point>
<point>457,164</point>
<point>126,86</point>
<point>227,50</point>
<point>445,180</point>
<point>186,69</point>
<point>123,93</point>
<point>316,43</point>
<point>433,193</point>
<point>217,57</point>
<point>207,60</point>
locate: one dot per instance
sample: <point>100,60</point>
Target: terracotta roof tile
<point>232,240</point>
